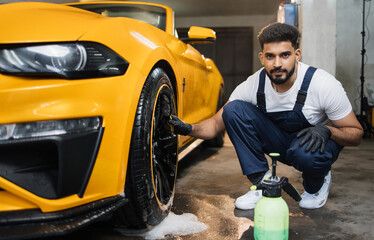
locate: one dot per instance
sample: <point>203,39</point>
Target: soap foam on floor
<point>173,224</point>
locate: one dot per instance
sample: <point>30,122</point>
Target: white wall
<point>319,34</point>
<point>349,44</point>
<point>332,40</point>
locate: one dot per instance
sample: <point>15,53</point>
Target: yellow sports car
<point>86,90</point>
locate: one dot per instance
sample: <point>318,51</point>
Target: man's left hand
<point>316,137</point>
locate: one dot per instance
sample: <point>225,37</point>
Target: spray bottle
<point>271,217</point>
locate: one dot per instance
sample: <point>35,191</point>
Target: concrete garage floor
<point>210,179</point>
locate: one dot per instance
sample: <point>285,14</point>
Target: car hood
<point>44,22</point>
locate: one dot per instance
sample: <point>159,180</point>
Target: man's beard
<point>279,80</point>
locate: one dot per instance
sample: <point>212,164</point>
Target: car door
<point>195,87</point>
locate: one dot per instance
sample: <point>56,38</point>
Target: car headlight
<point>69,60</point>
<point>48,128</point>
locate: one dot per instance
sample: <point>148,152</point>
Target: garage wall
<point>349,44</point>
<point>318,32</point>
<point>332,40</point>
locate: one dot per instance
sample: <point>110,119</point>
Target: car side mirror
<point>200,35</point>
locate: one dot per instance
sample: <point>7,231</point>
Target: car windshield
<point>153,15</point>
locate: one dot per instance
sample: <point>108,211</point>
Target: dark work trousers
<point>254,132</point>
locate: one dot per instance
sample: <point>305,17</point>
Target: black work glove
<point>316,137</point>
<point>180,127</point>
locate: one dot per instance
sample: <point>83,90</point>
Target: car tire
<point>218,140</point>
<point>153,158</point>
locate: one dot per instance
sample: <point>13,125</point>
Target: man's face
<point>279,60</point>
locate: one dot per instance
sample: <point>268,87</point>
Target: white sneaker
<point>318,199</point>
<point>248,201</point>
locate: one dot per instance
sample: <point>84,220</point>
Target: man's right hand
<point>180,127</point>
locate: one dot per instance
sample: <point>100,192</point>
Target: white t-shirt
<point>326,98</point>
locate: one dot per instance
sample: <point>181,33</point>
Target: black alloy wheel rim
<point>164,150</point>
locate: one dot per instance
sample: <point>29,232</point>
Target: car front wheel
<point>153,159</point>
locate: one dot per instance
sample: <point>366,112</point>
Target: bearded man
<point>288,107</point>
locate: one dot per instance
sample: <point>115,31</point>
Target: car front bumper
<point>73,169</point>
<point>33,223</point>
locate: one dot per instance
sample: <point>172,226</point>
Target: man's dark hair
<point>279,32</point>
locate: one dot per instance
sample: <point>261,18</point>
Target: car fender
<point>141,44</point>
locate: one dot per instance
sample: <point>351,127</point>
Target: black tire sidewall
<point>139,184</point>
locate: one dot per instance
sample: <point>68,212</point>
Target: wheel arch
<point>170,72</point>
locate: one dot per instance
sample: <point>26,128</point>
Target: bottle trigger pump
<point>271,214</point>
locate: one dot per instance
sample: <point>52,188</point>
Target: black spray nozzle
<point>273,187</point>
<point>274,158</point>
